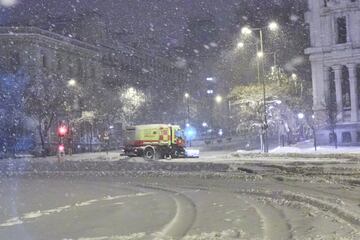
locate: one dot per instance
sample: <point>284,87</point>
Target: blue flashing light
<point>190,133</point>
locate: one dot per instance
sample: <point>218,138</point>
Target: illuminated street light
<point>294,76</point>
<point>301,115</point>
<point>220,132</point>
<point>260,54</point>
<point>188,125</point>
<point>218,99</point>
<point>246,31</point>
<point>273,26</point>
<point>72,83</point>
<point>240,45</point>
<point>204,124</point>
<point>273,68</point>
<point>187,96</point>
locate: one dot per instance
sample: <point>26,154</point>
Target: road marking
<point>40,213</point>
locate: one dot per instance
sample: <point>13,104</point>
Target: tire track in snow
<point>274,224</point>
<point>320,204</point>
<point>184,217</point>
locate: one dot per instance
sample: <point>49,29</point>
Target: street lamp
<point>301,115</point>
<point>240,45</point>
<point>187,97</point>
<point>204,124</point>
<point>260,54</point>
<point>273,26</point>
<point>218,99</point>
<point>72,83</point>
<point>246,30</point>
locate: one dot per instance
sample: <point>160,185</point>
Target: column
<point>326,77</point>
<point>338,90</point>
<point>353,91</point>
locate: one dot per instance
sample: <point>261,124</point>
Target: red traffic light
<point>61,148</point>
<point>62,131</point>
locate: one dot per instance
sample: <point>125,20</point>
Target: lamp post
<point>214,119</point>
<point>187,99</point>
<point>273,26</point>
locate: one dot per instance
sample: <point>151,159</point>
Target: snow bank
<point>320,150</point>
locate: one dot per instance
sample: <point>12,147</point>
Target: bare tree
<point>332,113</point>
<point>44,99</point>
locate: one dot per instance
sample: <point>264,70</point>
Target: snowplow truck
<point>154,141</point>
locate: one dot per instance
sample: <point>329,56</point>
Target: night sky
<point>162,20</point>
<point>162,24</point>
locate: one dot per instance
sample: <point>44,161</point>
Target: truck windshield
<point>179,134</point>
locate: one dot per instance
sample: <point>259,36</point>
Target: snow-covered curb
<point>336,156</point>
<point>16,167</point>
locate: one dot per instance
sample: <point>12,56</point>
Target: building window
<point>332,138</point>
<point>44,60</point>
<point>358,83</point>
<point>15,59</point>
<point>341,30</point>
<point>79,68</point>
<point>346,137</point>
<point>358,136</point>
<point>345,88</point>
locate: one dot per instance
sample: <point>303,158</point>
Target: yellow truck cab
<point>154,141</point>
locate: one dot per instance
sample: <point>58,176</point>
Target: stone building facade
<point>335,63</point>
<point>86,50</point>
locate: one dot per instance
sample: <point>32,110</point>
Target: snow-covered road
<point>273,202</point>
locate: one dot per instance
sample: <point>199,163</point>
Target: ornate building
<point>84,49</point>
<point>335,60</point>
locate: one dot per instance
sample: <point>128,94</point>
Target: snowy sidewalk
<point>307,147</point>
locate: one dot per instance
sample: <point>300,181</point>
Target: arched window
<point>345,87</point>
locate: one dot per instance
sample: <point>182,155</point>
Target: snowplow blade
<point>192,153</point>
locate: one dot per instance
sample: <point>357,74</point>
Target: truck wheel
<point>175,154</point>
<point>149,153</point>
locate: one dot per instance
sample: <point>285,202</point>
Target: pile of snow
<point>319,150</point>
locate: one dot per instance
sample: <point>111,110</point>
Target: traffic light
<point>61,148</point>
<point>62,131</point>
